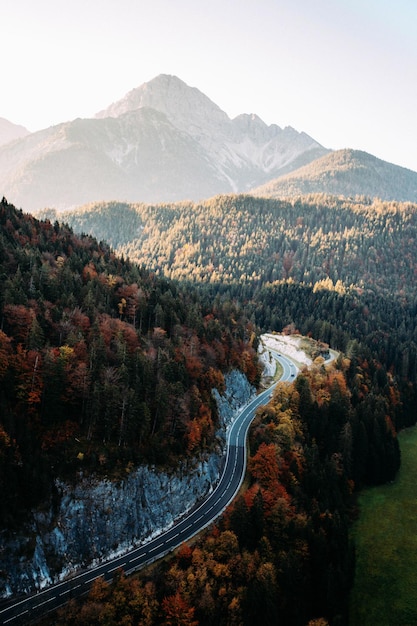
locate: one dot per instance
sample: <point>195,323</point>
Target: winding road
<point>33,607</point>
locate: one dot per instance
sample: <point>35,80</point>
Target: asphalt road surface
<point>30,608</point>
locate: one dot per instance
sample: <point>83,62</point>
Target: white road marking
<point>151,550</point>
<point>15,617</point>
<point>46,601</point>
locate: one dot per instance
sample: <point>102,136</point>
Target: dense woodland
<point>320,241</point>
<point>107,364</point>
<point>101,363</point>
<point>281,553</point>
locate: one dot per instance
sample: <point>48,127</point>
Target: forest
<point>101,363</point>
<point>318,240</point>
<point>108,359</point>
<point>281,553</point>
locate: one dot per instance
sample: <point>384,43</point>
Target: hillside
<point>165,141</point>
<point>320,241</point>
<point>347,173</point>
<point>105,365</point>
<point>101,364</point>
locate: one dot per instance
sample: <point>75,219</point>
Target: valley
<point>170,256</point>
<point>134,359</point>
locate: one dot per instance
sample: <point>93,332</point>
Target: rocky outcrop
<point>96,519</point>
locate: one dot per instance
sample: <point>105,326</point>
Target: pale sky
<point>343,71</point>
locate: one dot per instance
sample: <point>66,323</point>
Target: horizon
<point>343,73</point>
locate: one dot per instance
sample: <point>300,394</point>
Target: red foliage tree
<point>5,353</point>
<point>264,465</point>
<point>19,320</point>
<point>177,611</point>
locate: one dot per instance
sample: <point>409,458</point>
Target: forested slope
<point>346,173</point>
<point>339,270</point>
<point>101,363</point>
<point>242,239</point>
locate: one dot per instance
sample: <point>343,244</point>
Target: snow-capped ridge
<point>183,105</point>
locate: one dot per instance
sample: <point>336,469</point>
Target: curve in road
<point>33,607</point>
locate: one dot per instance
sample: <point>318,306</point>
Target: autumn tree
<point>177,612</point>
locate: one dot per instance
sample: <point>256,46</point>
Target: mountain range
<point>166,141</point>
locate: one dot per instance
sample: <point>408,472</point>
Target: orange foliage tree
<point>177,612</point>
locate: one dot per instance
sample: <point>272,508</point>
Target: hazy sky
<point>343,71</point>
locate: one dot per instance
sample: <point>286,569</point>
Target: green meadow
<point>385,587</point>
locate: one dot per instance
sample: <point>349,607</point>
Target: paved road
<point>32,607</point>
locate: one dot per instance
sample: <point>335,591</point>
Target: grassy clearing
<point>385,588</point>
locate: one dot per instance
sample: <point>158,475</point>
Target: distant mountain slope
<point>138,155</point>
<point>346,173</point>
<point>240,239</point>
<point>9,131</point>
<point>164,141</point>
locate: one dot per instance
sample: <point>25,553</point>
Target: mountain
<point>346,173</point>
<point>165,141</point>
<point>241,148</point>
<point>9,131</point>
<point>139,155</point>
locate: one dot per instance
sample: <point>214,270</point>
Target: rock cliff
<point>96,519</point>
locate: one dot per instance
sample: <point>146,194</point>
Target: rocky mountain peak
<point>184,106</point>
<point>164,141</point>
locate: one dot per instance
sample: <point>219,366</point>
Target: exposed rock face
<point>237,393</point>
<point>98,518</point>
